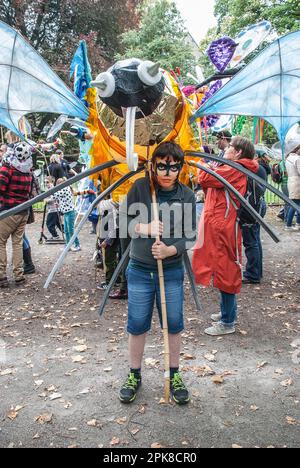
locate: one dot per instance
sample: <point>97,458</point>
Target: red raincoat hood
<point>250,164</point>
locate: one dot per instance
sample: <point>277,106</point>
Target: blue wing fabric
<point>81,70</point>
<point>268,87</point>
<point>29,85</point>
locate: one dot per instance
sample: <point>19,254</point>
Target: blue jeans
<point>228,309</point>
<point>69,221</point>
<point>143,289</point>
<point>253,248</point>
<point>26,244</point>
<point>291,215</point>
<point>253,252</point>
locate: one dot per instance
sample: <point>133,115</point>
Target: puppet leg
<point>42,196</point>
<point>242,200</point>
<point>190,274</point>
<point>106,192</point>
<point>248,174</point>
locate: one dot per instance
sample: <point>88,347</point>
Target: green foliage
<point>55,27</point>
<point>283,15</point>
<point>161,37</point>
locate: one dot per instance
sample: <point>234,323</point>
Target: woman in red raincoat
<point>217,254</point>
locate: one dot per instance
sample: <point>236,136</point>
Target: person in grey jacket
<point>177,228</point>
<point>293,170</point>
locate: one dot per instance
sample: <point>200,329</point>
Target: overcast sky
<point>198,16</point>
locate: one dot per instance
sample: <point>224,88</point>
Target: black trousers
<point>53,223</point>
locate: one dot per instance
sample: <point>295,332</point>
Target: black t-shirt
<point>56,171</point>
<point>65,167</point>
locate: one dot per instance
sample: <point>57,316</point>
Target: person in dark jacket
<point>55,169</point>
<point>177,233</point>
<point>253,272</point>
<point>15,188</point>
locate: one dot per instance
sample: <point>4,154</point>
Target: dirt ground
<point>62,365</point>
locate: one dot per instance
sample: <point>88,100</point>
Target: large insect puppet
<point>132,89</point>
<point>128,85</point>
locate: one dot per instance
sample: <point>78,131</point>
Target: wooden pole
<point>163,303</point>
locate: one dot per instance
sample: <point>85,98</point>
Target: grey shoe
<point>216,317</point>
<point>219,329</point>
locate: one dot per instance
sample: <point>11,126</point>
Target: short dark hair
<point>168,148</point>
<point>223,134</point>
<point>244,145</point>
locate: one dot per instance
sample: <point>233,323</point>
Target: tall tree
<point>283,14</point>
<point>54,27</point>
<point>161,37</point>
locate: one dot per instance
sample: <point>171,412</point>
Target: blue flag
<point>81,70</point>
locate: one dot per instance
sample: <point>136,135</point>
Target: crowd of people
<point>212,211</point>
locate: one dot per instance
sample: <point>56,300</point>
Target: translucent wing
<point>29,85</point>
<point>269,87</point>
<point>248,40</point>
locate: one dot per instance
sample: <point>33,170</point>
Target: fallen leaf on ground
<point>38,383</point>
<point>151,361</point>
<point>44,418</point>
<point>291,420</point>
<point>12,415</point>
<point>78,359</point>
<point>80,349</point>
<point>135,431</point>
<point>235,446</point>
<point>7,372</point>
<point>52,388</point>
<point>210,357</point>
<point>254,408</point>
<point>14,412</point>
<point>94,423</point>
<point>218,379</point>
<point>287,383</point>
<point>261,365</point>
<point>114,441</point>
<point>188,357</point>
<point>121,420</point>
<point>55,396</point>
<point>157,445</point>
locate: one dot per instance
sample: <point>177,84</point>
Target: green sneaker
<point>129,388</point>
<point>179,391</point>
